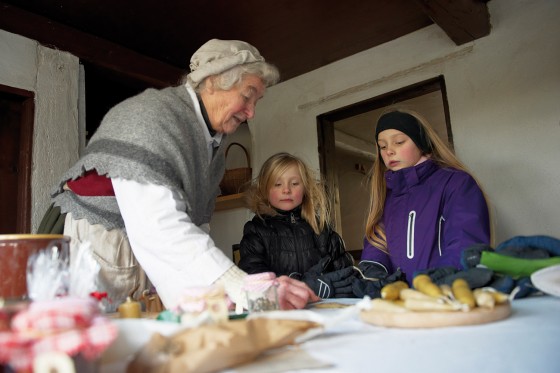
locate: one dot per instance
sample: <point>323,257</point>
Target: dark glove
<point>336,284</point>
<point>437,274</point>
<point>372,288</point>
<point>476,277</point>
<point>470,256</point>
<point>503,283</point>
<point>372,270</point>
<point>523,288</point>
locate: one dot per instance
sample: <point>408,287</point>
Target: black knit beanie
<point>408,125</point>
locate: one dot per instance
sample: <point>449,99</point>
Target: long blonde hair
<point>314,207</point>
<point>440,153</point>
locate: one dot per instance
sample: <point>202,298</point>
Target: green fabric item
<point>515,267</point>
<point>52,222</point>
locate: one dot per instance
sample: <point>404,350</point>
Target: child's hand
<point>294,294</point>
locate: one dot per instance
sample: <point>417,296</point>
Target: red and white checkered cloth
<point>72,326</point>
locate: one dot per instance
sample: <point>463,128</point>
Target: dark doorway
<point>16,143</point>
<point>104,89</point>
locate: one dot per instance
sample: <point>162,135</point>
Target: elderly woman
<point>144,191</point>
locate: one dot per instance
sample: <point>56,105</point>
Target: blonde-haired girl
<point>290,232</point>
<point>425,206</point>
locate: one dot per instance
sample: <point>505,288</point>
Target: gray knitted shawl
<point>151,138</point>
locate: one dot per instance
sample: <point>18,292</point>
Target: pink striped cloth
<point>259,282</point>
<point>72,326</point>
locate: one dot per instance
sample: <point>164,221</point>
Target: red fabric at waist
<point>92,184</point>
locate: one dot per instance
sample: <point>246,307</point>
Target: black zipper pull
<point>292,218</point>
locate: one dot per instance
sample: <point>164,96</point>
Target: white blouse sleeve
<point>173,251</point>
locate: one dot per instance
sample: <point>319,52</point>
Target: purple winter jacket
<point>431,214</point>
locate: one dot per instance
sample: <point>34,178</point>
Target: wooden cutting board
<point>438,319</point>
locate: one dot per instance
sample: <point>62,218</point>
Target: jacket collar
<point>402,180</point>
<point>296,213</point>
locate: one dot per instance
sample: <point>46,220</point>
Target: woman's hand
<point>294,294</point>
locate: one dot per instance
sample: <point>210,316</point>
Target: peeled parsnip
<point>462,292</point>
<point>484,298</point>
<point>446,290</point>
<point>499,297</point>
<point>392,291</point>
<point>424,284</point>
<point>430,305</point>
<point>408,293</point>
<point>383,305</point>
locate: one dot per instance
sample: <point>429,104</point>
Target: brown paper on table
<point>211,348</point>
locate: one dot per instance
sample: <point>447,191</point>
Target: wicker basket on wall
<point>235,178</point>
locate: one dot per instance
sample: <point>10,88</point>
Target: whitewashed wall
<point>53,76</point>
<point>504,99</point>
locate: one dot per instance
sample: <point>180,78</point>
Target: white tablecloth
<point>527,341</point>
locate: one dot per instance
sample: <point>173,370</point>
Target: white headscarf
<point>217,56</point>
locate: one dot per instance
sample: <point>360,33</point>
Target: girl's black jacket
<point>287,245</point>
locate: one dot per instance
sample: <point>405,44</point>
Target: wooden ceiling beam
<point>87,47</point>
<point>463,21</point>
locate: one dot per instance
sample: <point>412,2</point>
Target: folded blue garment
<point>548,243</point>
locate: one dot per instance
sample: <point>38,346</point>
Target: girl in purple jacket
<point>425,206</point>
